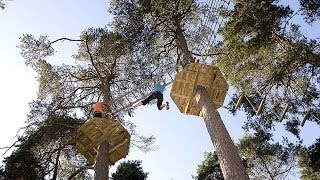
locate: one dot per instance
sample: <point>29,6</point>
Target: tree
<point>43,150</point>
<point>209,168</point>
<point>268,55</point>
<point>311,9</point>
<point>105,66</point>
<point>129,170</point>
<point>263,158</point>
<point>266,159</point>
<point>168,29</point>
<point>23,164</point>
<point>160,29</point>
<point>309,161</point>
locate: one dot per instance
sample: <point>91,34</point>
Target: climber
<point>99,110</point>
<point>156,94</point>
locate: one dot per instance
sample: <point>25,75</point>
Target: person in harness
<point>99,111</point>
<point>156,94</point>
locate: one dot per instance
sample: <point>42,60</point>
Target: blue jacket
<point>158,87</point>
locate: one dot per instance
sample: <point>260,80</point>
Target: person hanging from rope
<point>156,94</point>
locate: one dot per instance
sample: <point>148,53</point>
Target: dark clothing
<point>97,114</point>
<point>155,95</point>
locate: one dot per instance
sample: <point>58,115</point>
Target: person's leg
<point>143,102</point>
<point>147,100</point>
<point>159,101</point>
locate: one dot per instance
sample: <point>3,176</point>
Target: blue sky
<point>181,139</point>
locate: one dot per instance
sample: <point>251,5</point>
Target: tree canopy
<point>309,161</point>
<point>268,55</point>
<point>166,29</point>
<point>263,158</point>
<point>129,170</point>
<point>44,151</point>
<point>209,168</point>
<point>105,66</point>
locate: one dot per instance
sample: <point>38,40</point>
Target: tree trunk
<point>230,162</point>
<point>183,46</point>
<point>101,168</point>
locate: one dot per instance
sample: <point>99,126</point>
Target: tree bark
<point>101,168</point>
<point>230,162</point>
<point>183,46</point>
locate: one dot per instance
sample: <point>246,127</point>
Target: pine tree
<point>268,55</point>
<point>105,66</point>
<point>168,30</point>
<point>129,170</point>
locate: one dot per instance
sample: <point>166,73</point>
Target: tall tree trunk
<point>101,168</point>
<point>186,56</point>
<point>230,162</point>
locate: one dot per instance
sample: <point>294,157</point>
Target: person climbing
<point>156,94</point>
<point>98,110</point>
<point>103,110</point>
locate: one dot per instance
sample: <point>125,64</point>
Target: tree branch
<point>210,54</point>
<point>91,60</point>
<point>76,173</point>
<point>63,39</point>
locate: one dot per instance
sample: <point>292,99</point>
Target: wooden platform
<point>186,81</point>
<point>97,130</point>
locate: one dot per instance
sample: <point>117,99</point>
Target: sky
<point>181,139</point>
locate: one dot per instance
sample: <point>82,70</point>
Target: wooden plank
<point>284,112</point>
<point>261,105</point>
<point>238,102</point>
<point>307,116</point>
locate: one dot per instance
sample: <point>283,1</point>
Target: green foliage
<point>129,170</point>
<point>266,160</point>
<point>105,66</point>
<point>309,161</point>
<point>311,8</point>
<point>161,29</point>
<point>268,55</point>
<point>209,168</point>
<point>23,164</point>
<point>263,158</point>
<point>251,23</point>
<point>42,144</point>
